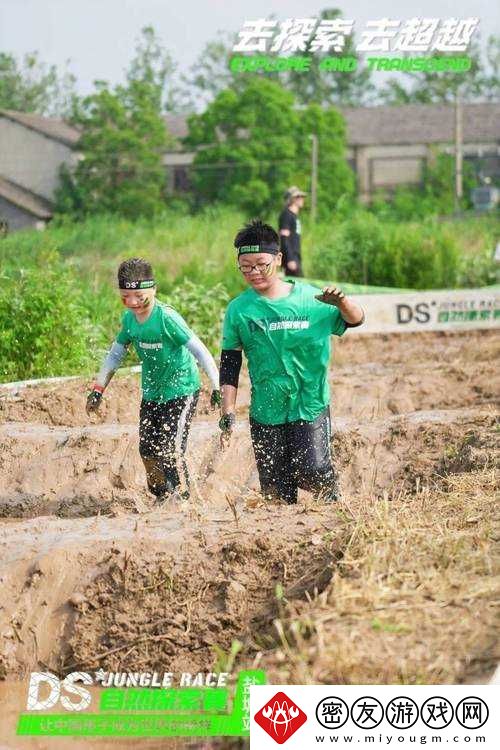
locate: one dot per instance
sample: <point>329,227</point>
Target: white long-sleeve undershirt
<point>197,348</point>
<point>111,363</point>
<point>204,359</point>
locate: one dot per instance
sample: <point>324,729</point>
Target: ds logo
<point>406,313</point>
<point>38,700</point>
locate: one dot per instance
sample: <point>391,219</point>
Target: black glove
<point>215,398</point>
<point>227,422</point>
<point>93,401</point>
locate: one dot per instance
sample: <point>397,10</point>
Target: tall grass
<point>195,267</point>
<point>430,254</point>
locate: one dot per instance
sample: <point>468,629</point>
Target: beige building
<point>32,149</point>
<point>387,147</point>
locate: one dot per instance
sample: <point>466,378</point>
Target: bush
<point>45,328</point>
<point>427,255</point>
<point>435,197</point>
<point>202,308</point>
<point>59,308</point>
<point>349,250</point>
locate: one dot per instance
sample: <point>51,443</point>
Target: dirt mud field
<point>398,583</point>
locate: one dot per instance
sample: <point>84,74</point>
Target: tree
<point>248,146</point>
<point>123,140</point>
<point>121,146</point>
<point>211,74</point>
<point>30,85</point>
<point>346,88</point>
<point>490,74</point>
<point>479,83</point>
<point>255,143</point>
<point>153,65</point>
<point>335,178</point>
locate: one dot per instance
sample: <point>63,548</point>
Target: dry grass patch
<point>413,600</point>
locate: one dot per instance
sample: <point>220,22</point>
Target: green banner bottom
<point>235,724</point>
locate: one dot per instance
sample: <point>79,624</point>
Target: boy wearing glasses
<point>284,329</point>
<point>167,349</point>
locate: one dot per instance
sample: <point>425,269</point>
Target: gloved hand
<point>331,295</point>
<point>226,424</point>
<point>93,401</point>
<point>215,399</point>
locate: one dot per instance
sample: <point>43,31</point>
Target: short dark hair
<point>134,269</point>
<point>255,232</point>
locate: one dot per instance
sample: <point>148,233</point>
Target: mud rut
<point>94,575</point>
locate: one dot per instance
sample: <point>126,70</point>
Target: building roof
<point>403,124</point>
<point>366,126</point>
<point>22,198</point>
<point>62,131</point>
<point>52,127</point>
<point>420,123</point>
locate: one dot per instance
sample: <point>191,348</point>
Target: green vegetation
<point>254,142</point>
<point>29,85</point>
<point>482,82</point>
<point>45,328</point>
<point>366,249</point>
<point>435,197</point>
<point>122,143</point>
<point>59,309</point>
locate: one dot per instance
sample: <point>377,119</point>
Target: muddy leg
<point>277,480</point>
<point>309,445</point>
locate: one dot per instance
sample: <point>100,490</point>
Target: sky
<point>98,36</point>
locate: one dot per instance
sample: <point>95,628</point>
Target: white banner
<point>343,716</point>
<point>461,310</point>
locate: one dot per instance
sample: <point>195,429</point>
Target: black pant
<point>293,455</point>
<point>163,434</point>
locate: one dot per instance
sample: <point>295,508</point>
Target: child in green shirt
<point>284,329</point>
<point>167,349</point>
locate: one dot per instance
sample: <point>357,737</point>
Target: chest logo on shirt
<point>279,324</point>
<point>149,345</point>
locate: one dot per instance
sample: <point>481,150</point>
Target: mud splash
<point>92,573</point>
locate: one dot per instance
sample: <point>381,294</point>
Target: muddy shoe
<point>161,499</point>
<point>163,492</point>
<point>174,497</point>
<point>331,496</point>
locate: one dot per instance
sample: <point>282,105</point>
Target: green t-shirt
<point>169,370</point>
<point>287,345</point>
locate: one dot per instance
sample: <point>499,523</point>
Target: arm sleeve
<point>230,366</point>
<point>337,321</point>
<point>176,327</point>
<point>111,363</point>
<point>205,359</point>
<point>230,334</point>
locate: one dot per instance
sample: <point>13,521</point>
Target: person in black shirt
<point>289,226</point>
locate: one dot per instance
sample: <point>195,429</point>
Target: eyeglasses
<point>259,267</point>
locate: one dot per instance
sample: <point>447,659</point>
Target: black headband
<point>263,247</point>
<point>140,284</point>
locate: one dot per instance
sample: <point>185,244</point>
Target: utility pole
<point>458,150</point>
<point>314,176</point>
